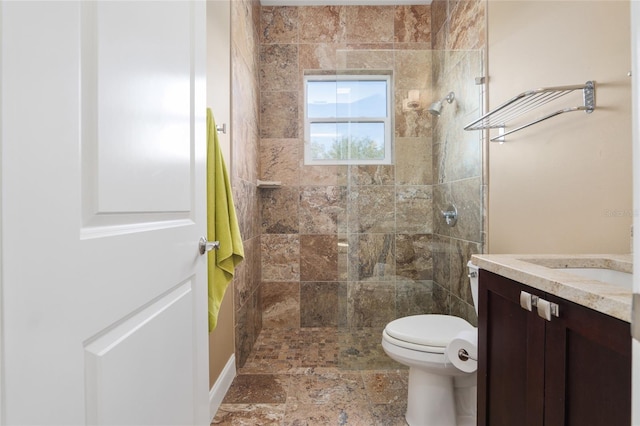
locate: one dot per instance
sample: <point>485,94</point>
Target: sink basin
<point>610,276</point>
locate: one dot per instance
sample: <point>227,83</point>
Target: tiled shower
<point>354,247</point>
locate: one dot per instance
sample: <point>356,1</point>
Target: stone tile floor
<point>317,376</point>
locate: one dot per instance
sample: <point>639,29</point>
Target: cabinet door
<point>594,387</point>
<point>511,355</point>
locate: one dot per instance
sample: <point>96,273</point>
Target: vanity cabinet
<point>572,370</point>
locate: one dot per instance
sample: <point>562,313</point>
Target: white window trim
<point>388,122</point>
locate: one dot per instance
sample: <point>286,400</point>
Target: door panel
<point>103,166</point>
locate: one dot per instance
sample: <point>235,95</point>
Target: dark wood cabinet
<point>572,370</point>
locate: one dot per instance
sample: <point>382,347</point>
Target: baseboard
<point>221,386</point>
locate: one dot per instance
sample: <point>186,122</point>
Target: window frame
<point>387,120</point>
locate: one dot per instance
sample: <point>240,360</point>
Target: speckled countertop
<point>544,272</point>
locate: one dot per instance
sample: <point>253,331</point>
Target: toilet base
<point>431,399</point>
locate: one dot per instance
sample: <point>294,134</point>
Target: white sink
<point>610,276</point>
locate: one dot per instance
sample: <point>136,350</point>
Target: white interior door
<point>103,202</point>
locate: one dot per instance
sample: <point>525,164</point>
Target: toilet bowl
<point>435,384</point>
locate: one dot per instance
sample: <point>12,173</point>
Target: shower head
<point>436,107</point>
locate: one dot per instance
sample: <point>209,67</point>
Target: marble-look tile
<point>466,194</point>
<point>389,414</point>
<point>412,24</point>
<point>410,66</point>
<point>360,349</point>
<point>246,277</point>
<point>323,209</point>
<point>438,14</point>
<point>318,56</point>
<point>318,257</point>
<point>414,209</point>
<point>280,305</point>
<point>279,210</point>
<point>442,197</point>
<point>278,66</point>
<point>245,198</point>
<point>368,57</point>
<point>370,24</point>
<point>372,257</point>
<point>458,272</point>
<point>328,414</point>
<point>249,414</point>
<point>280,257</point>
<point>414,298</point>
<point>441,250</point>
<point>414,260</point>
<point>323,304</point>
<point>467,25</point>
<point>442,300</point>
<point>371,209</point>
<point>323,175</point>
<point>388,387</point>
<point>327,387</point>
<point>413,161</point>
<point>371,175</point>
<point>279,115</point>
<point>278,25</point>
<point>246,332</point>
<point>258,389</point>
<point>280,160</point>
<point>411,123</point>
<point>324,24</point>
<point>370,304</point>
<point>464,310</point>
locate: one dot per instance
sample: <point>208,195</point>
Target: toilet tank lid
<point>429,330</point>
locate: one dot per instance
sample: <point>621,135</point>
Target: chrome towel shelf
<point>510,111</point>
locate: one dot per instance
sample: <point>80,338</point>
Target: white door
<point>103,202</point>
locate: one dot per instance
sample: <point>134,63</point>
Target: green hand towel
<point>222,224</point>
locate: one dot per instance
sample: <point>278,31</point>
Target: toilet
<point>439,393</point>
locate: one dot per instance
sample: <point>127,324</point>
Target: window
<point>347,119</point>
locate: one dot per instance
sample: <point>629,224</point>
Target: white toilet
<point>439,393</point>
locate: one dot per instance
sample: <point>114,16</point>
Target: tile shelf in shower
<point>528,101</point>
<point>268,184</point>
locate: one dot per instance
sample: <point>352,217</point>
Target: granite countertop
<point>537,271</point>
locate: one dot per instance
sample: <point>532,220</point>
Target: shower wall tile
<point>464,310</point>
<point>245,197</point>
<point>371,209</point>
<point>467,196</point>
<point>323,209</point>
<point>244,121</point>
<point>410,67</point>
<point>324,24</point>
<point>414,258</point>
<point>281,304</point>
<point>438,15</point>
<point>414,298</point>
<point>442,197</point>
<point>280,257</point>
<point>372,257</point>
<point>414,209</point>
<point>410,123</point>
<point>323,304</point>
<point>279,210</point>
<point>370,304</point>
<point>279,115</point>
<point>441,300</point>
<point>467,25</point>
<point>279,25</point>
<point>460,254</point>
<point>276,66</point>
<point>379,57</point>
<point>280,160</point>
<point>247,275</point>
<point>413,161</point>
<point>318,257</point>
<point>412,24</point>
<point>318,56</point>
<point>323,175</point>
<point>441,252</point>
<point>371,175</point>
<point>370,24</point>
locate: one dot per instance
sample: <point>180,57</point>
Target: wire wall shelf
<point>503,116</point>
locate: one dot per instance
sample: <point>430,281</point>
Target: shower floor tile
<point>317,376</point>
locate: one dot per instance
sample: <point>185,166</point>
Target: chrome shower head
<point>436,107</point>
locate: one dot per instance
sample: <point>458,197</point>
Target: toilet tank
<point>473,282</point>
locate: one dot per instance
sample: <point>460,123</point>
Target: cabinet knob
<point>546,309</point>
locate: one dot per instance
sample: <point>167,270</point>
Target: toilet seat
<point>425,333</point>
